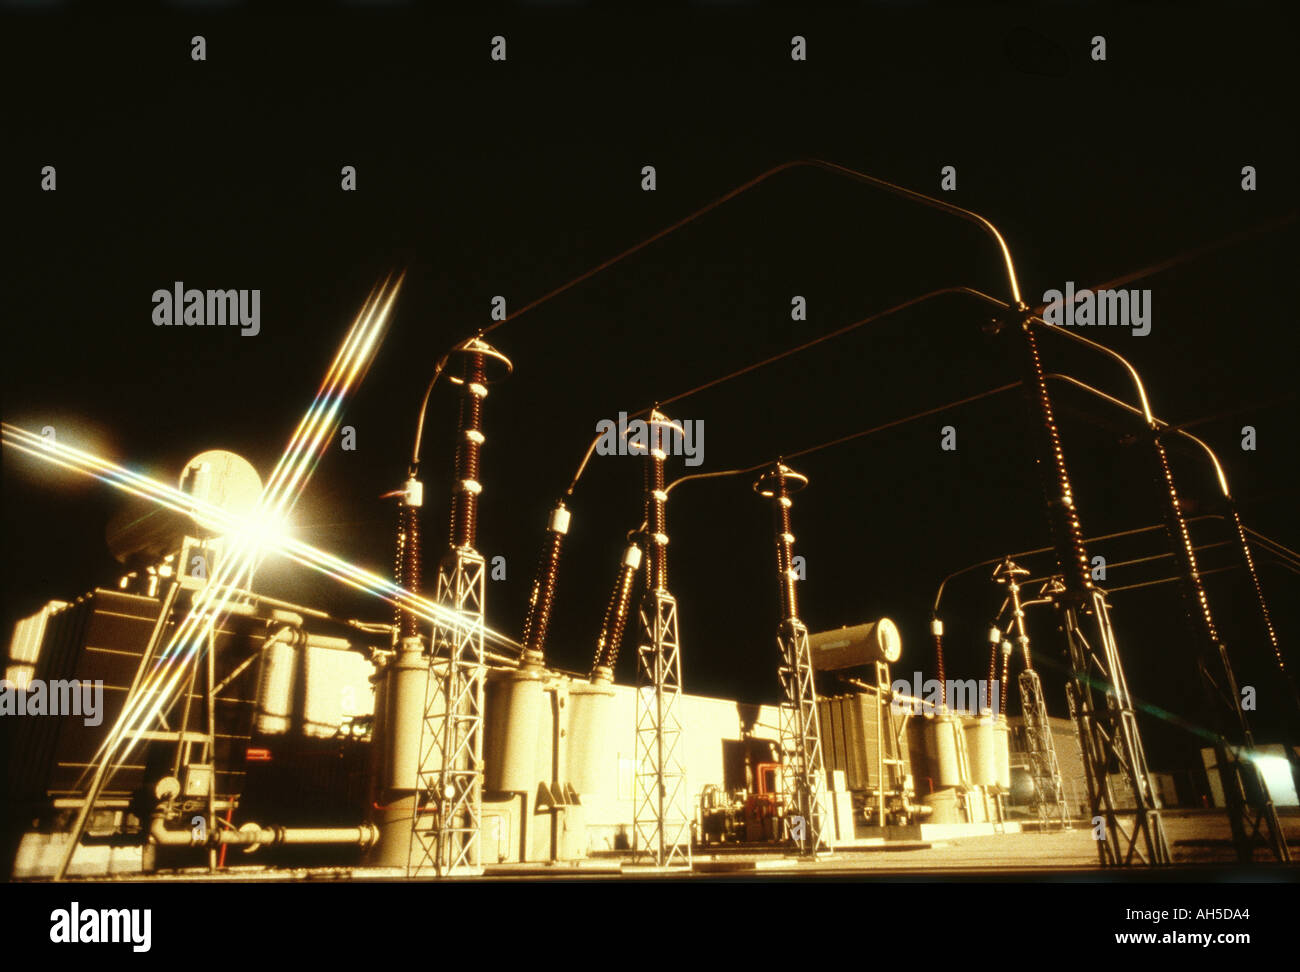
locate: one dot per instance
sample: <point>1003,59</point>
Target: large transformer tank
<point>514,712</point>
<point>592,742</point>
<point>312,683</point>
<point>101,637</point>
<point>285,742</point>
<point>402,687</point>
<point>25,647</point>
<point>864,746</point>
<point>964,763</point>
<point>941,734</point>
<point>275,685</point>
<point>943,741</point>
<point>981,741</point>
<point>541,729</point>
<point>1002,748</point>
<point>336,686</point>
<point>852,741</point>
<point>95,646</point>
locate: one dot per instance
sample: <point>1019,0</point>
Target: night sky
<point>483,178</point>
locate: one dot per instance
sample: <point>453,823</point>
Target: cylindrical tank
<point>591,756</point>
<point>275,684</point>
<point>375,756</point>
<point>1002,748</point>
<point>942,732</point>
<point>336,685</point>
<point>514,711</point>
<point>977,805</point>
<point>943,803</point>
<point>862,644</point>
<point>980,749</point>
<point>408,676</point>
<point>402,685</point>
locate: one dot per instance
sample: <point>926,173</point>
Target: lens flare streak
<point>297,551</point>
<point>251,538</point>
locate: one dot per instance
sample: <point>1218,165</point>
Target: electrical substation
<point>245,735</point>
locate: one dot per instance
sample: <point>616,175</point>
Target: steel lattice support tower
<point>447,822</point>
<point>802,771</point>
<point>1049,790</point>
<point>1040,747</point>
<point>451,742</point>
<point>661,818</point>
<point>1109,737</point>
<point>803,777</point>
<point>1109,740</point>
<point>1250,807</point>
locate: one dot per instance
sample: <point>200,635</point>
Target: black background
<point>484,178</point>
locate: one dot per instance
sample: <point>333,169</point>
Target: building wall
<point>1065,739</point>
<point>722,743</point>
<point>1277,768</point>
<point>721,739</point>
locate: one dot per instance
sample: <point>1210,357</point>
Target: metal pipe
<point>254,836</point>
<point>832,167</point>
<point>754,366</point>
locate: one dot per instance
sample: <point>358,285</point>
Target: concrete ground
<point>1197,838</point>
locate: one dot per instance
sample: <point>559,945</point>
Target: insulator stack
<point>777,484</point>
<point>995,642</point>
<point>1235,774</point>
<point>936,628</point>
<point>657,521</point>
<point>1109,740</point>
<point>1008,573</point>
<point>615,623</point>
<point>1004,693</point>
<point>1249,560</point>
<point>407,568</point>
<point>1194,596</point>
<point>1067,533</point>
<point>785,552</point>
<point>656,500</point>
<point>464,507</point>
<point>542,597</point>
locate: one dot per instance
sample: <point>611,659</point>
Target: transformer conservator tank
<point>861,644</point>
